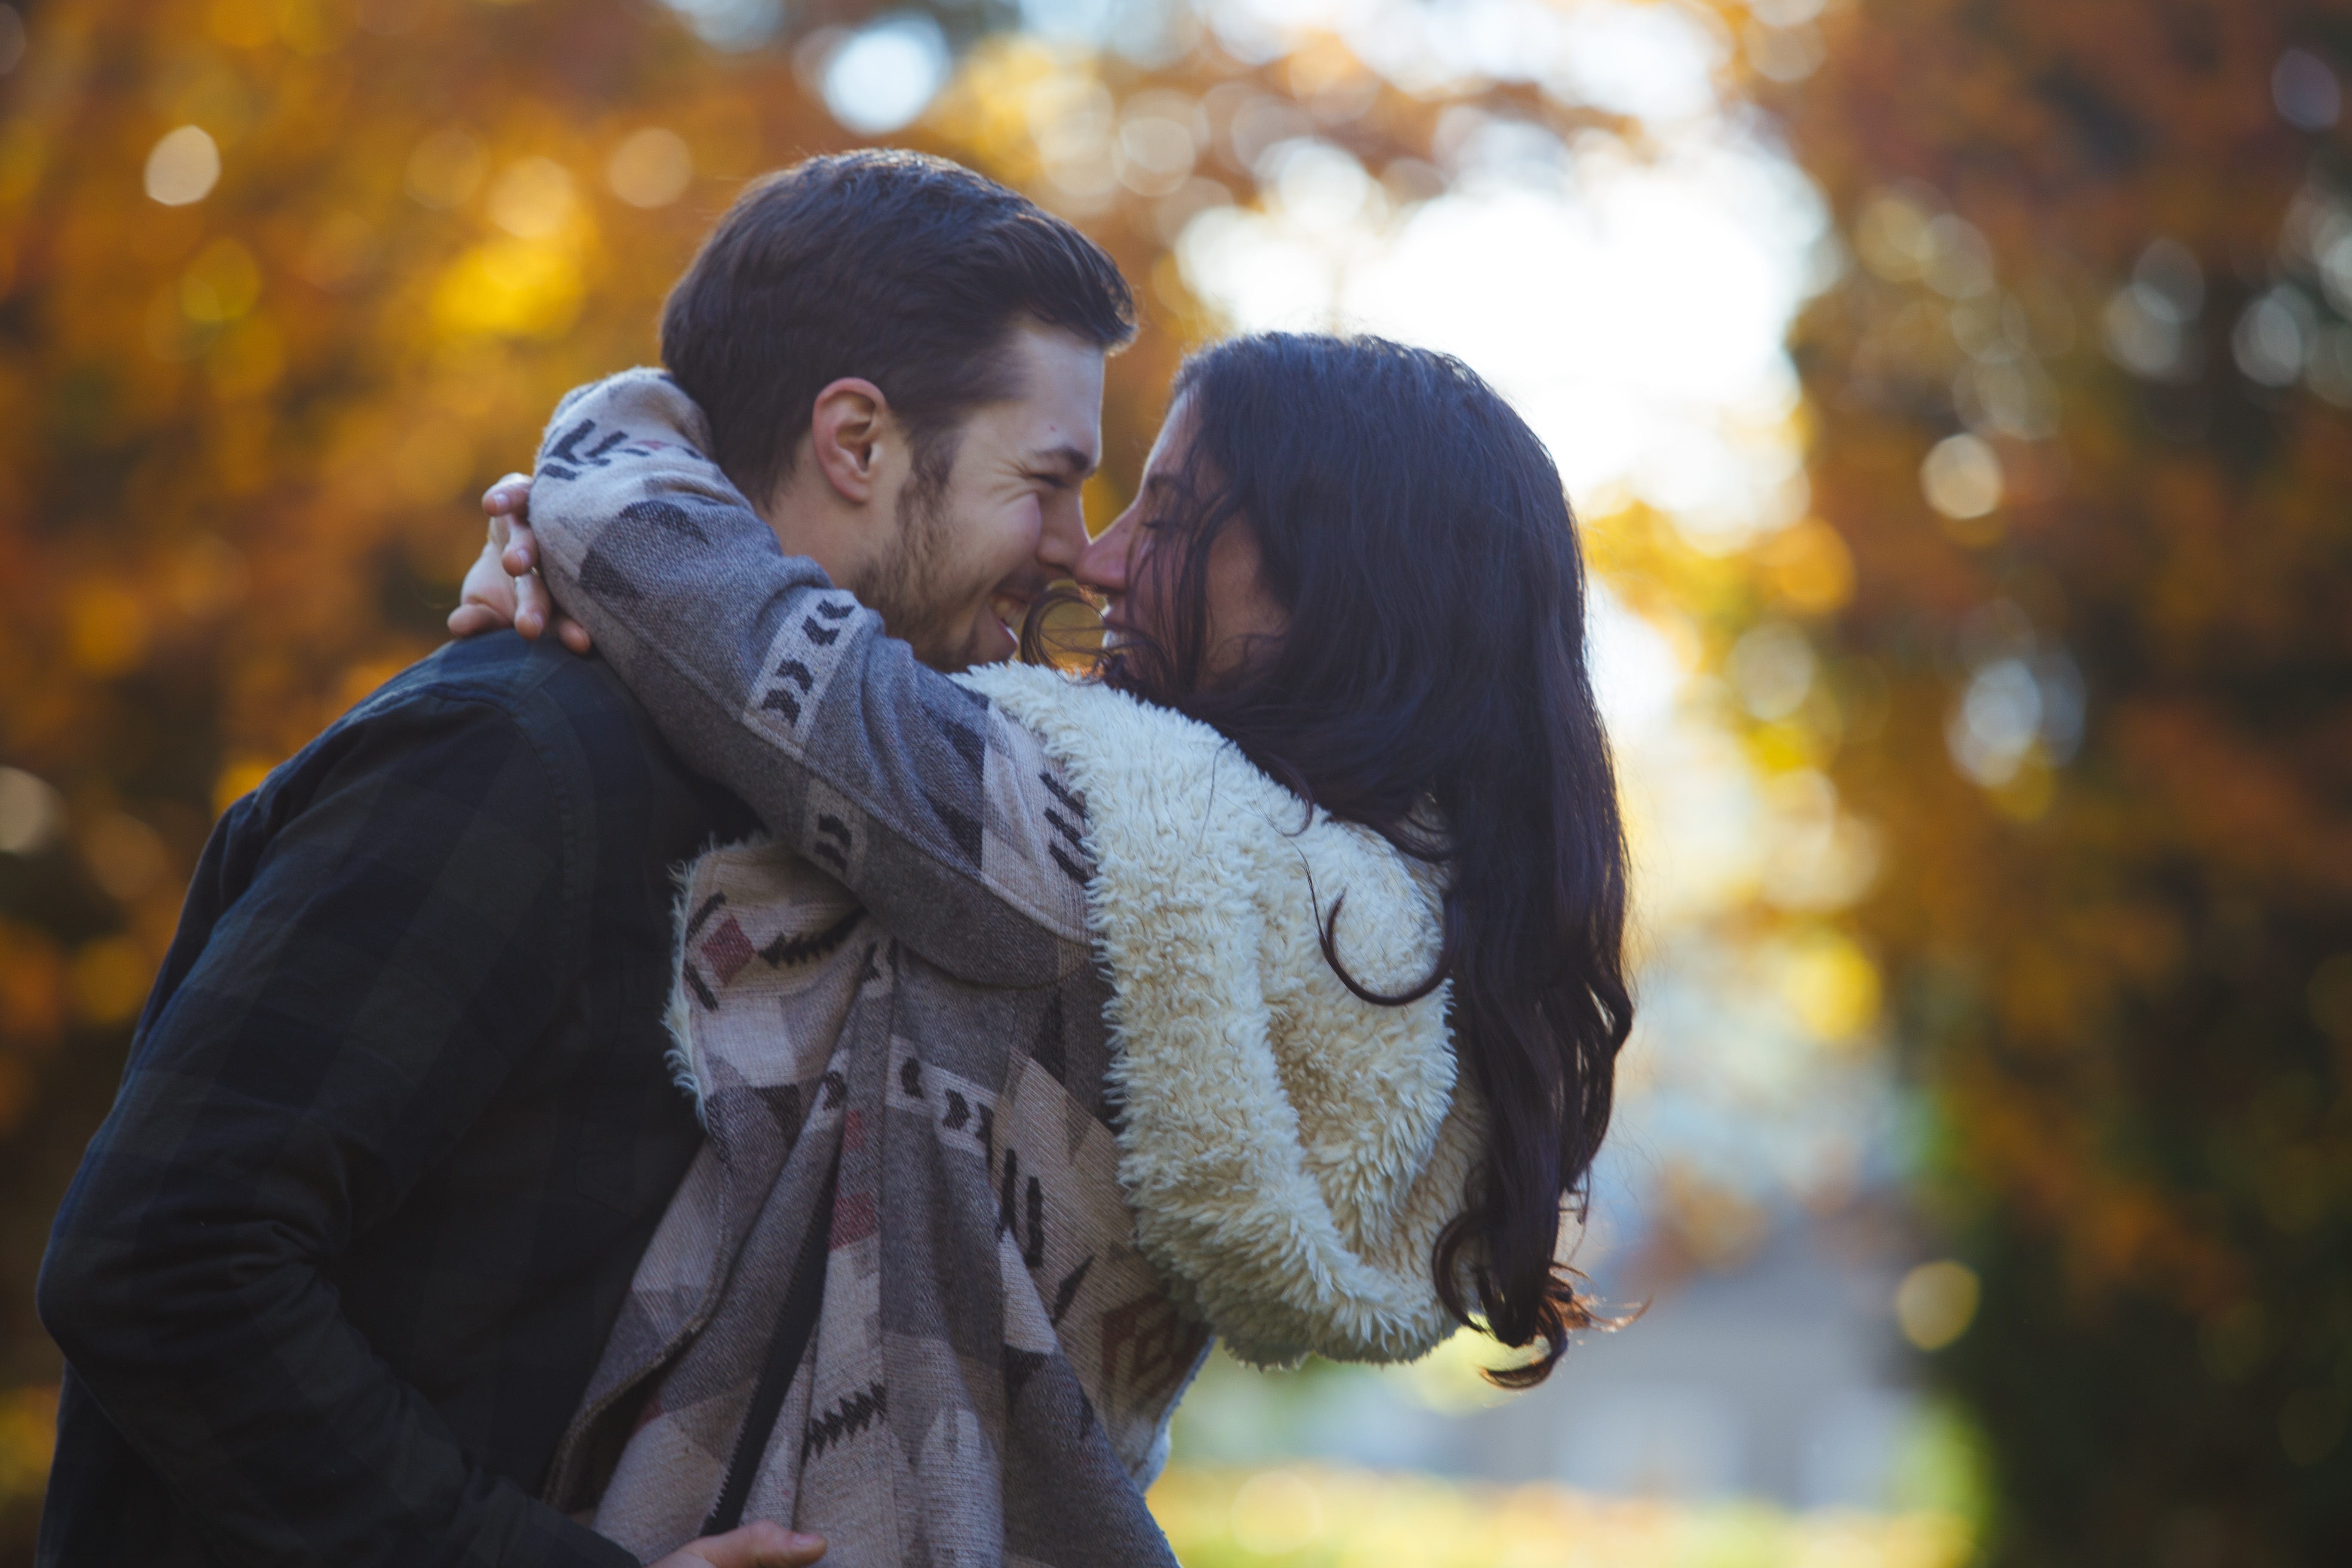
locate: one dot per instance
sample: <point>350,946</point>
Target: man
<point>396,1127</point>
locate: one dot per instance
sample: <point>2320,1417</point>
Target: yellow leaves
<point>32,986</point>
<point>241,454</point>
<point>724,135</point>
<point>171,336</point>
<point>221,284</point>
<point>106,628</point>
<point>363,679</point>
<point>511,287</point>
<point>237,780</point>
<point>2043,997</point>
<point>528,283</point>
<point>125,857</point>
<point>1807,567</point>
<point>208,315</point>
<point>107,983</point>
<point>446,168</point>
<point>28,1430</point>
<point>24,152</point>
<point>243,23</point>
<point>306,26</point>
<point>204,577</point>
<point>983,109</point>
<point>433,462</point>
<point>339,251</point>
<point>651,168</point>
<point>313,27</point>
<point>248,359</point>
<point>533,199</point>
<point>1830,985</point>
<point>2026,794</point>
<point>1026,110</point>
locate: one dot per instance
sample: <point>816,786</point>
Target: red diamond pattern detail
<point>727,950</point>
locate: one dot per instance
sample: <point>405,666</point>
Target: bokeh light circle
<point>651,168</point>
<point>885,75</point>
<point>182,167</point>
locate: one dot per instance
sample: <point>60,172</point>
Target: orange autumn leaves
<point>2092,250</point>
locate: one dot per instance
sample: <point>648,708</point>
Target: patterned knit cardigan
<point>1030,972</point>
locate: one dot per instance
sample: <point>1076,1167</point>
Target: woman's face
<point>1239,614</point>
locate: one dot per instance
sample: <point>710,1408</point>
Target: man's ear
<point>851,432</point>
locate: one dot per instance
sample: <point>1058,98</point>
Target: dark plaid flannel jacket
<point>395,1130</point>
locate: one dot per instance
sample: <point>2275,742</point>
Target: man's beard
<point>904,587</point>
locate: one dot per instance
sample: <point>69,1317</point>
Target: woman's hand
<point>503,587</point>
<point>756,1546</point>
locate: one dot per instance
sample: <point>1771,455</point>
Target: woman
<point>1267,984</point>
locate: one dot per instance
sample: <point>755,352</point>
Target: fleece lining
<point>1291,1152</point>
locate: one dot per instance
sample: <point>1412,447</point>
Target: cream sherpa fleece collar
<point>1291,1152</point>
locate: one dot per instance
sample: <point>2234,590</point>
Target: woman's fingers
<point>473,620</point>
<point>536,613</point>
<point>520,598</point>
<point>508,504</point>
<point>756,1546</point>
<point>522,544</point>
<point>487,602</point>
<point>510,494</point>
<point>533,608</point>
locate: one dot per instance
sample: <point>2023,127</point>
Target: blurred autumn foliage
<point>2081,416</point>
<point>282,282</point>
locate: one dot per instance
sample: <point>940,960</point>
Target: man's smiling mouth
<point>1009,608</point>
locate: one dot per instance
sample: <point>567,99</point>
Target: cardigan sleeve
<point>943,818</point>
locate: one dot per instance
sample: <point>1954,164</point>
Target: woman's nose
<point>1102,566</point>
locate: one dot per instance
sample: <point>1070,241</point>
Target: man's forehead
<point>1059,411</point>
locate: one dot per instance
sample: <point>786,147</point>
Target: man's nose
<point>1063,538</point>
<point>1102,564</point>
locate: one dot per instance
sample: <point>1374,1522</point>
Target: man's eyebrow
<point>1066,457</point>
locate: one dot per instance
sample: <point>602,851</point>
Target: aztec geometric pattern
<point>897,994</point>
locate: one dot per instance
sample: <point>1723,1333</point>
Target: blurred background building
<point>1956,396</point>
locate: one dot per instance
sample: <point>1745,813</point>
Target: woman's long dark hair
<point>1418,536</point>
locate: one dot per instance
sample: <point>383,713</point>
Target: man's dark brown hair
<point>906,269</point>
